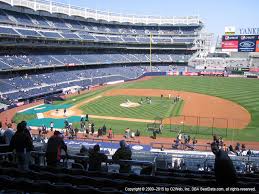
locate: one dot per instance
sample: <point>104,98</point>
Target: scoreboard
<point>240,43</point>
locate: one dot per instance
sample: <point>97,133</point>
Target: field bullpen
<point>233,99</point>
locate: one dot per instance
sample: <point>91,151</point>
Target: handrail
<point>181,146</point>
<point>112,140</point>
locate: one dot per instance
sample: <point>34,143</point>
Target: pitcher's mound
<point>129,104</point>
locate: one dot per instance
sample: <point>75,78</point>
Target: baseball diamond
<point>205,105</point>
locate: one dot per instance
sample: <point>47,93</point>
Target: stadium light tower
<point>150,53</point>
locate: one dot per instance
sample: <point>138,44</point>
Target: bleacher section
<point>51,27</point>
<point>16,88</point>
<point>40,60</point>
<point>44,53</point>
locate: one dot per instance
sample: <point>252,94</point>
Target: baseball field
<point>232,105</point>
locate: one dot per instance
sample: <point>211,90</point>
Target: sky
<point>215,14</point>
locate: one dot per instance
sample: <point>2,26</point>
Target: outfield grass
<point>110,106</point>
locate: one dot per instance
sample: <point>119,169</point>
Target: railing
<point>54,7</point>
<point>181,146</point>
<point>110,140</point>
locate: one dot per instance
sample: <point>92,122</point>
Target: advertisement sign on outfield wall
<point>257,46</point>
<point>233,37</point>
<point>254,70</point>
<point>246,45</point>
<point>230,45</point>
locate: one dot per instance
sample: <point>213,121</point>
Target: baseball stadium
<point>93,79</point>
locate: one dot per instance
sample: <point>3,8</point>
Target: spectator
<point>54,147</point>
<point>225,148</point>
<point>123,153</point>
<point>66,124</point>
<point>243,147</point>
<point>92,128</point>
<point>177,142</point>
<point>1,129</point>
<point>104,129</point>
<point>194,142</point>
<point>83,152</point>
<point>221,142</point>
<point>82,123</point>
<point>162,148</point>
<point>127,133</point>
<point>44,129</point>
<point>225,172</point>
<point>154,133</point>
<point>231,150</point>
<point>249,153</point>
<point>8,134</point>
<point>137,134</point>
<point>96,158</point>
<point>110,134</point>
<point>100,132</point>
<point>2,140</point>
<point>51,126</point>
<point>89,127</point>
<point>76,130</point>
<point>161,127</point>
<point>215,139</point>
<point>21,144</point>
<point>39,130</point>
<point>26,129</point>
<point>237,149</point>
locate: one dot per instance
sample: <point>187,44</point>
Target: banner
<point>254,70</point>
<point>190,73</point>
<point>257,46</point>
<point>233,37</point>
<point>246,45</point>
<point>248,37</point>
<point>212,73</point>
<point>172,73</point>
<point>230,45</point>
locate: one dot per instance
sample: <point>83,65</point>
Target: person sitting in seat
<point>96,158</point>
<point>83,152</point>
<point>123,153</point>
<point>177,142</point>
